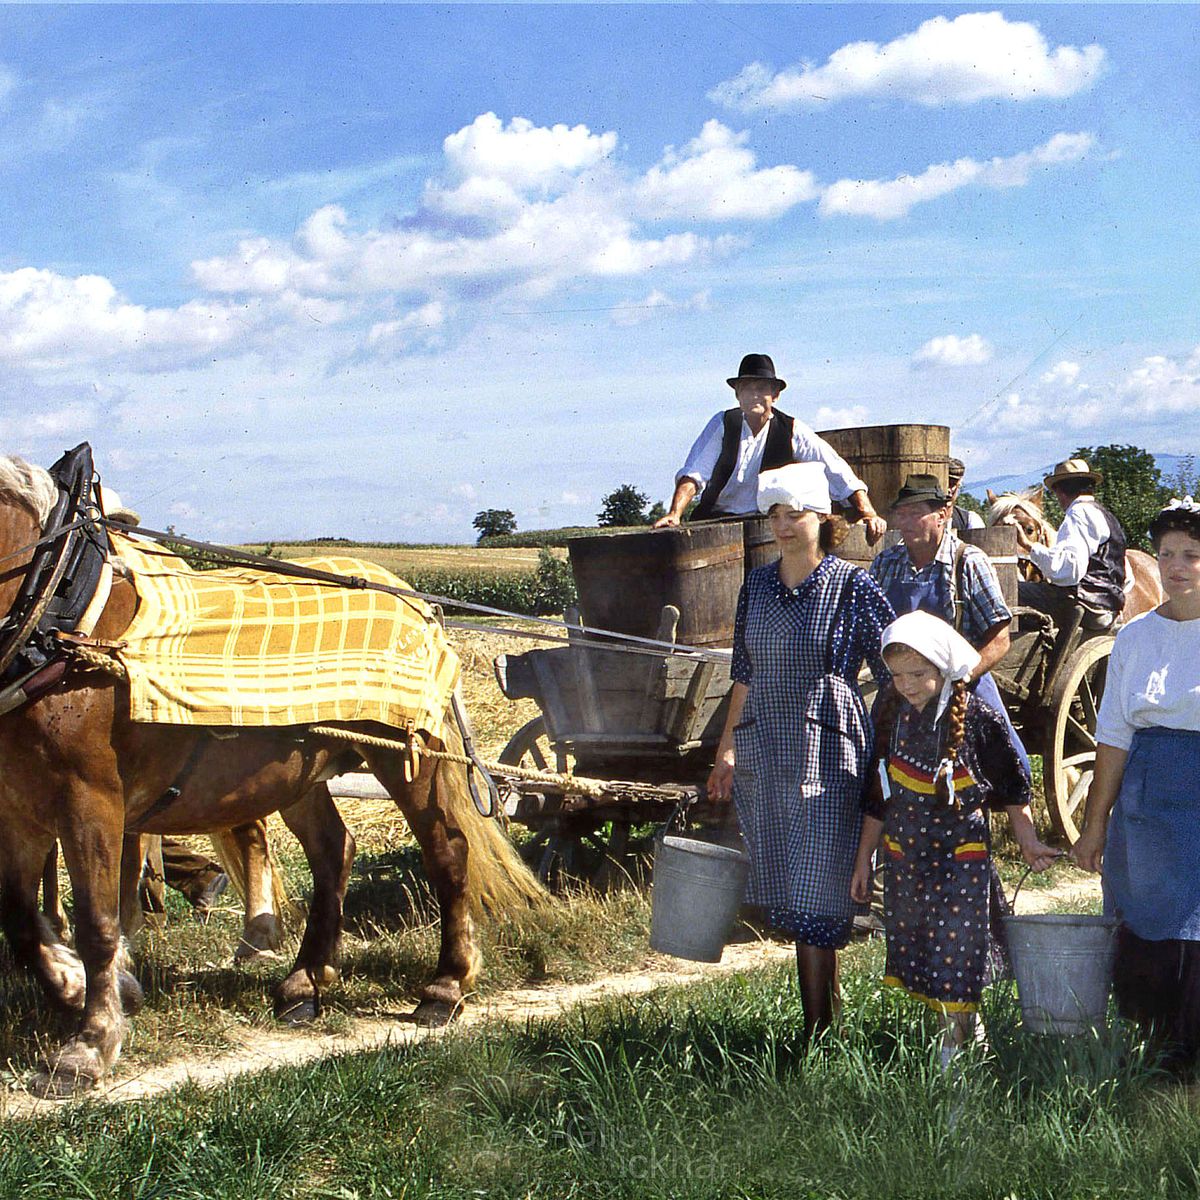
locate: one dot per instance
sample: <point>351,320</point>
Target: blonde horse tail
<point>498,882</point>
<point>229,853</point>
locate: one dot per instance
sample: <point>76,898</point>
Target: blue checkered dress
<point>802,748</point>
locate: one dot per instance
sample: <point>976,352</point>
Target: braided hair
<point>956,728</point>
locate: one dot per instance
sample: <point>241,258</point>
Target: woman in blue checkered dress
<point>797,741</point>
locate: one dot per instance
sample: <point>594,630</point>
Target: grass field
<point>404,559</point>
<point>699,1092</point>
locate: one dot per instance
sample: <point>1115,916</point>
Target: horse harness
<point>68,571</point>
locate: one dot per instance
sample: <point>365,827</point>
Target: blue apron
<point>933,596</point>
<point>1152,852</point>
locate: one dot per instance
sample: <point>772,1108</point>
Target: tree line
<point>1134,489</point>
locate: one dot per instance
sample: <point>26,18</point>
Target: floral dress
<point>802,748</point>
<point>938,892</point>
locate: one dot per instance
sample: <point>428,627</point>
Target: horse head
<point>1022,509</point>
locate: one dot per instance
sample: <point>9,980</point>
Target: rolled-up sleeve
<point>702,457</point>
<point>1113,726</point>
<point>808,446</point>
<point>1065,563</point>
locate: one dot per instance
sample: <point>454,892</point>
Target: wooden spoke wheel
<point>1069,746</point>
<point>579,847</point>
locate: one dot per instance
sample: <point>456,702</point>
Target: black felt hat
<point>757,366</point>
<point>921,487</point>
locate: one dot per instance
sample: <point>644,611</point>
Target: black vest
<point>1103,584</point>
<point>776,453</point>
<point>958,520</point>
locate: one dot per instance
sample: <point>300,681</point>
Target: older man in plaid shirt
<point>932,569</point>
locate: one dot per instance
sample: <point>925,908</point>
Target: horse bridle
<point>62,573</point>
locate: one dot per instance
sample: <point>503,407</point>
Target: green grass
<point>696,1092</point>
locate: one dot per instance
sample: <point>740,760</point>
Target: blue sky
<point>366,270</point>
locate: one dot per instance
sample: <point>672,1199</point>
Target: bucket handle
<point>678,820</point>
<point>1024,876</point>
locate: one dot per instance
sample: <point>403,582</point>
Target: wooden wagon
<point>655,721</point>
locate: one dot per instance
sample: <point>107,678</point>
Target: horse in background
<point>75,767</point>
<point>1143,586</point>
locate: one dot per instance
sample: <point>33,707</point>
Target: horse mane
<point>1001,508</point>
<point>28,485</point>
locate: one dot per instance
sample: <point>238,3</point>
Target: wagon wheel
<point>1069,748</point>
<point>566,846</point>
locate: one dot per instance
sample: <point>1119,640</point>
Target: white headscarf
<point>934,639</point>
<point>798,485</point>
<point>953,656</point>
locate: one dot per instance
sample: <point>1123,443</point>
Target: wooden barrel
<point>624,579</point>
<point>758,542</point>
<point>999,543</point>
<point>854,547</point>
<point>883,456</point>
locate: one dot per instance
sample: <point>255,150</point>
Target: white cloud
<point>53,321</point>
<point>972,57</point>
<point>889,199</point>
<point>658,304</point>
<point>1062,374</point>
<point>413,326</point>
<point>1162,386</point>
<point>715,178</point>
<point>839,418</point>
<point>524,155</point>
<point>950,350</point>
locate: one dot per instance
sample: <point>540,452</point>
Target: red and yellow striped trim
<point>892,846</point>
<point>971,852</point>
<point>944,1006</point>
<point>917,780</point>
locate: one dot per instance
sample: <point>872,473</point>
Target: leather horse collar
<point>59,582</point>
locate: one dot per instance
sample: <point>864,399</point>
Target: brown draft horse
<point>73,766</point>
<point>1143,590</point>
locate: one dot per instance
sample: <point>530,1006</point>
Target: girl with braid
<point>944,760</point>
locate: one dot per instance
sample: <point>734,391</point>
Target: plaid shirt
<point>982,600</point>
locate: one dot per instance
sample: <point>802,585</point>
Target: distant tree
<point>971,504</point>
<point>494,521</point>
<point>657,509</point>
<point>1132,490</point>
<point>624,505</point>
<point>1185,481</point>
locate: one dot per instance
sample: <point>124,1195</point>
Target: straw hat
<point>1072,468</point>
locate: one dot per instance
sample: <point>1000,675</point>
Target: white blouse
<point>1153,679</point>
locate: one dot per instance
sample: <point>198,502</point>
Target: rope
<point>570,783</point>
<point>92,660</point>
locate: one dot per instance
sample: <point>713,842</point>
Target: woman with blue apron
<point>1143,808</point>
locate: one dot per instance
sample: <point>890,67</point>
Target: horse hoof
<point>299,1012</point>
<point>245,956</point>
<point>63,1080</point>
<point>435,1014</point>
<point>132,996</point>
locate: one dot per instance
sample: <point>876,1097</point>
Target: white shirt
<point>740,494</point>
<point>1079,537</point>
<point>1153,679</point>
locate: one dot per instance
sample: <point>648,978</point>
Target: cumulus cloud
<point>1062,374</point>
<point>715,177</point>
<point>972,57</point>
<point>519,205</point>
<point>950,350</point>
<point>417,325</point>
<point>890,199</point>
<point>1161,386</point>
<point>839,418</point>
<point>658,304</point>
<point>53,321</point>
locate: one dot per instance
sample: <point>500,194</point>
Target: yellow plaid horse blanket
<point>244,647</point>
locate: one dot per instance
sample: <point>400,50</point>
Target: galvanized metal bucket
<point>1063,966</point>
<point>697,890</point>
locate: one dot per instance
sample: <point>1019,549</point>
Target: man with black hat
<point>724,462</point>
<point>1086,564</point>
